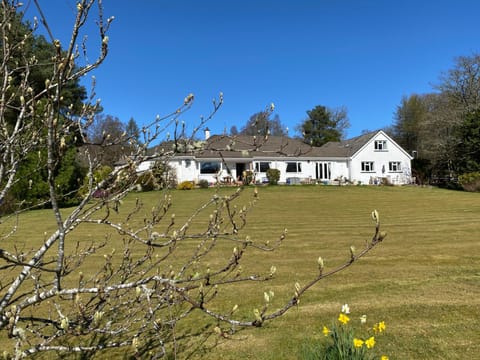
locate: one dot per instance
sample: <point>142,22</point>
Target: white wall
<point>381,160</point>
<point>189,169</point>
<point>185,169</point>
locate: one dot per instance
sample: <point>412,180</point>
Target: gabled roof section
<point>345,148</point>
<point>349,148</point>
<point>381,132</point>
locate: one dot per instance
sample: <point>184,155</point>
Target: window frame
<point>260,164</point>
<point>395,166</point>
<point>380,145</point>
<point>368,166</point>
<point>298,167</point>
<point>203,163</point>
<point>324,170</point>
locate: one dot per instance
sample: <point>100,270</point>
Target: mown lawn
<point>423,280</point>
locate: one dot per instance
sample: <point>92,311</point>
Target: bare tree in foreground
<point>56,293</point>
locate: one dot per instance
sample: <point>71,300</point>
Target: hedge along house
<point>371,158</point>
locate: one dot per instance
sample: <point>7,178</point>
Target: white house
<point>367,159</point>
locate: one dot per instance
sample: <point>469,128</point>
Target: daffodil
<point>358,343</point>
<point>363,319</point>
<point>381,326</point>
<point>370,342</point>
<point>384,357</point>
<point>343,318</point>
<point>345,309</point>
<point>325,331</point>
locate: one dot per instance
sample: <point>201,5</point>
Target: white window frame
<point>258,166</point>
<point>368,166</point>
<point>395,166</point>
<point>298,167</point>
<point>380,145</point>
<point>210,162</point>
<point>324,170</point>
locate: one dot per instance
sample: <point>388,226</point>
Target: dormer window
<point>380,145</point>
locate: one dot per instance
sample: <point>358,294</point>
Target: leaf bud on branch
<point>320,264</point>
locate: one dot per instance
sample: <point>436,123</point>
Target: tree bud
<point>273,270</point>
<point>320,263</point>
<point>258,317</point>
<point>64,323</point>
<point>266,297</point>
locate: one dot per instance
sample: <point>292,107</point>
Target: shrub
<point>470,181</point>
<point>99,175</point>
<point>247,177</point>
<point>203,184</point>
<point>146,180</point>
<point>185,185</point>
<point>273,176</point>
<point>164,174</point>
<point>160,176</point>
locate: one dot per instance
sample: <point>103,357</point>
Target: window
<point>394,166</point>
<point>294,167</point>
<point>323,171</point>
<point>367,166</point>
<point>210,167</point>
<point>380,145</point>
<point>262,166</point>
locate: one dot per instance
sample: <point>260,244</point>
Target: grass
<point>423,280</point>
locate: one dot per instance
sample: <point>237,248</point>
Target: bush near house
<point>273,176</point>
<point>164,174</point>
<point>203,184</point>
<point>470,181</point>
<point>185,185</point>
<point>147,182</point>
<point>99,175</point>
<point>248,177</point>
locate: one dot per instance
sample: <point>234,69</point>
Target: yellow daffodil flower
<point>384,357</point>
<point>343,318</point>
<point>370,342</point>
<point>358,343</point>
<point>381,326</point>
<point>325,331</point>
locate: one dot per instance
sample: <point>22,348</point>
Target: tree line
<point>442,128</point>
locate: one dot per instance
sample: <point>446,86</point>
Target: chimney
<point>207,133</point>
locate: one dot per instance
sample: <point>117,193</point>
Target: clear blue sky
<point>361,54</point>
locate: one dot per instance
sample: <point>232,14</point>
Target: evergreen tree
<point>468,148</point>
<point>35,53</point>
<point>324,125</point>
<point>133,132</point>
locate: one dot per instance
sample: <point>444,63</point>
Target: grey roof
<point>243,146</point>
<point>248,147</point>
<point>345,148</point>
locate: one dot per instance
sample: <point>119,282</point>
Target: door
<point>323,171</point>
